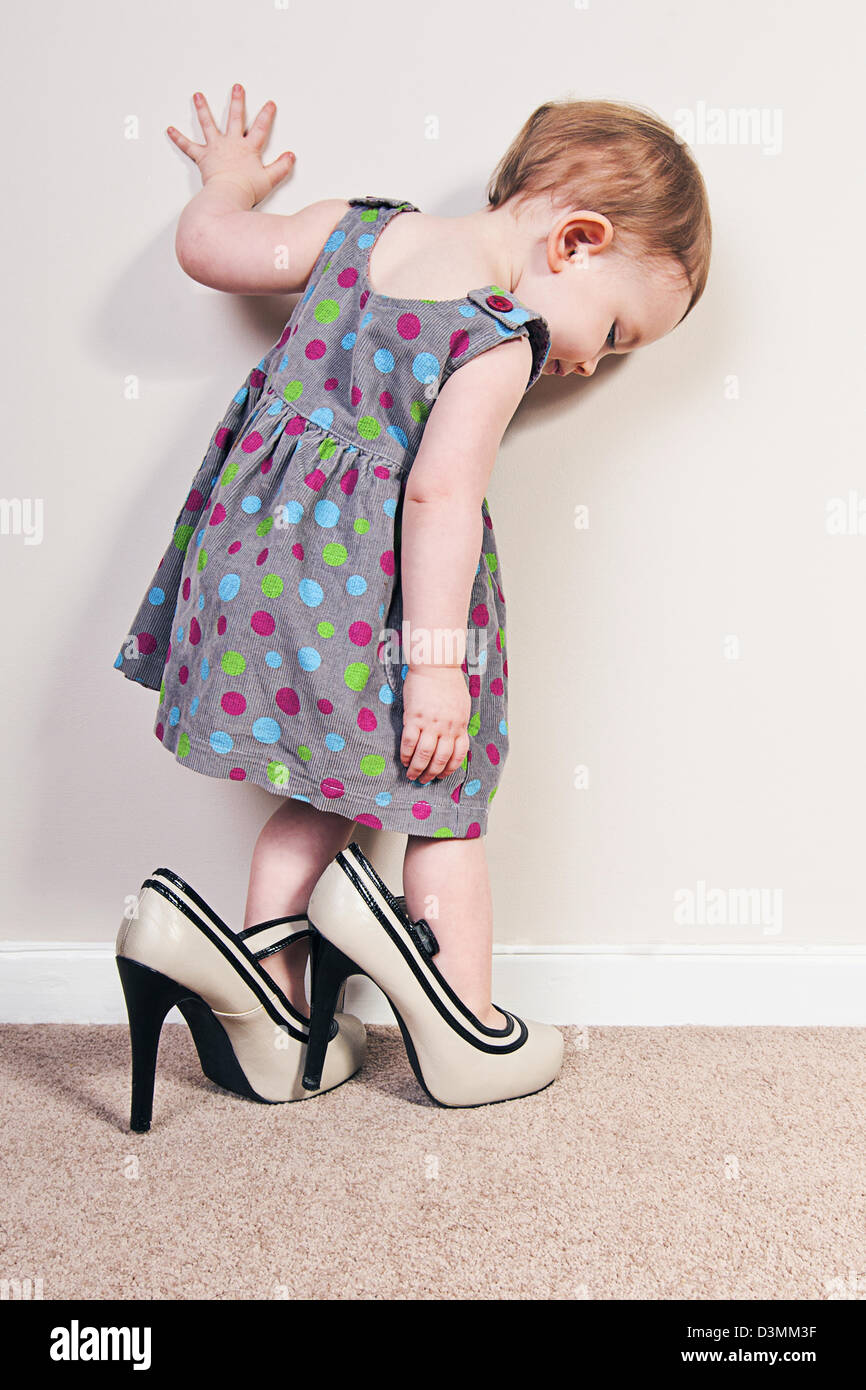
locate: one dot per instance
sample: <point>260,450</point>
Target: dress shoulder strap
<point>491,315</point>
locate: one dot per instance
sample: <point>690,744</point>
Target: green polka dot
<point>272,586</point>
<point>162,692</point>
<point>356,675</point>
<point>182,537</point>
<point>292,390</point>
<point>369,214</point>
<point>474,724</point>
<point>443,833</point>
<point>368,427</point>
<point>492,562</point>
<point>233,663</point>
<point>325,629</point>
<point>264,526</point>
<point>202,560</point>
<point>278,773</point>
<point>492,794</point>
<point>419,410</point>
<point>362,525</point>
<point>326,448</point>
<point>228,473</point>
<point>502,638</point>
<point>373,765</point>
<point>183,746</point>
<point>304,752</point>
<point>334,553</point>
<point>326,311</point>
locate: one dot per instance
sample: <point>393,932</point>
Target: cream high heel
<point>361,928</point>
<point>249,1037</point>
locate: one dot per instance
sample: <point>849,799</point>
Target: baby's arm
<point>220,241</point>
<point>441,541</point>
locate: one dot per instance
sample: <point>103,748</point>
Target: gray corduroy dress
<point>266,626</point>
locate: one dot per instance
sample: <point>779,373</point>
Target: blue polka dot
<point>205,668</point>
<point>275,408</point>
<point>383,798</point>
<point>365,240</point>
<point>389,506</point>
<point>425,366</point>
<point>398,434</point>
<point>266,730</point>
<point>174,715</point>
<point>365,320</point>
<point>404,671</point>
<point>293,511</point>
<point>503,726</point>
<point>327,513</point>
<point>194,704</point>
<point>386,695</point>
<point>356,584</point>
<point>201,601</point>
<point>308,658</point>
<point>200,537</point>
<point>348,340</point>
<point>311,593</point>
<point>179,634</point>
<point>242,395</point>
<point>337,237</point>
<point>467,310</point>
<point>517,315</point>
<point>296,796</point>
<point>323,416</point>
<point>156,596</point>
<point>503,331</point>
<point>119,661</point>
<point>251,504</point>
<point>229,586</point>
<point>482,658</point>
<point>220,742</point>
<point>472,788</point>
<point>273,659</point>
<point>384,360</point>
<point>334,742</point>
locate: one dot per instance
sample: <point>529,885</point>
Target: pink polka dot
<point>262,623</point>
<point>367,720</point>
<point>146,643</point>
<point>160,731</point>
<point>474,831</point>
<point>315,480</point>
<point>459,342</point>
<point>233,702</point>
<point>366,819</point>
<point>221,624</point>
<point>234,547</point>
<point>360,633</point>
<point>347,277</point>
<point>331,384</point>
<point>194,501</point>
<point>356,395</point>
<point>288,701</point>
<point>386,400</point>
<point>262,556</point>
<point>315,348</point>
<point>496,686</point>
<point>222,438</point>
<point>381,471</point>
<point>267,465</point>
<point>252,442</point>
<point>348,481</point>
<point>237,774</point>
<point>296,425</point>
<point>386,560</point>
<point>298,550</point>
<point>474,687</point>
<point>421,809</point>
<point>331,787</point>
<point>257,378</point>
<point>183,675</point>
<point>194,632</point>
<point>408,325</point>
<point>324,706</point>
<point>493,753</point>
<point>480,615</point>
<point>487,519</point>
<point>505,667</point>
<point>286,334</point>
<point>455,795</point>
<point>218,515</point>
<point>363,300</point>
<point>185,588</point>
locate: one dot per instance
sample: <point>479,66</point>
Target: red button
<point>498,301</point>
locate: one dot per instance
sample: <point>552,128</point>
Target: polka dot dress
<point>271,627</point>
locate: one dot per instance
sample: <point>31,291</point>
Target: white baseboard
<point>739,985</point>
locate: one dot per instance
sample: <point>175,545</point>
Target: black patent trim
<point>271,922</point>
<point>254,983</point>
<point>286,941</point>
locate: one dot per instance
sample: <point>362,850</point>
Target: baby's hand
<point>235,155</point>
<point>436,708</point>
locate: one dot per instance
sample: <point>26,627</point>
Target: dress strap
<point>504,316</point>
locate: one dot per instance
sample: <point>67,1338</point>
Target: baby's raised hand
<point>235,154</point>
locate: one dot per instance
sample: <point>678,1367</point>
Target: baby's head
<point>608,218</point>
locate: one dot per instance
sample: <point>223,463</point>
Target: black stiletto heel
<point>149,997</point>
<point>329,971</point>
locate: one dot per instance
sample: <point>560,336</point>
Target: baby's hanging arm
<point>220,240</point>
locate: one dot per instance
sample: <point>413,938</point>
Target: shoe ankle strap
<point>266,938</point>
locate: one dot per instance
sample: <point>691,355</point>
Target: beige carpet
<point>665,1163</point>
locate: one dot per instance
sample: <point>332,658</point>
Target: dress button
<point>498,301</point>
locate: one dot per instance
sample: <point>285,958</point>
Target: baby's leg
<point>446,881</point>
<point>291,853</point>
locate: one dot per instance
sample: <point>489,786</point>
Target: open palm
<point>235,153</point>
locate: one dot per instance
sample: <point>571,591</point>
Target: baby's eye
<point>611,335</point>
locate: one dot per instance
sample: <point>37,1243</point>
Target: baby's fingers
<point>205,119</point>
<point>258,131</point>
<point>441,757</point>
<point>182,141</point>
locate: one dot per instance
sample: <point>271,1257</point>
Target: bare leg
<point>291,853</point>
<point>447,882</point>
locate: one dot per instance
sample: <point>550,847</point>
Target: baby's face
<point>597,300</point>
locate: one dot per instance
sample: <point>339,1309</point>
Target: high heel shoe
<point>250,1038</point>
<point>362,928</point>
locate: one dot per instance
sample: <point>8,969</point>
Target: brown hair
<point>619,160</point>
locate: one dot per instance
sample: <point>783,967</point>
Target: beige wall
<point>707,462</point>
